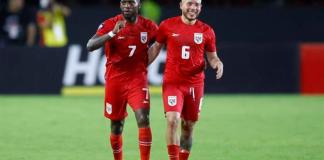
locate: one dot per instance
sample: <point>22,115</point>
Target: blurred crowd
<point>25,24</point>
<point>216,3</point>
<point>42,22</point>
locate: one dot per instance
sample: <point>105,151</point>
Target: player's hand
<point>219,69</point>
<point>119,26</point>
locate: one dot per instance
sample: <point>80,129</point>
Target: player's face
<point>190,9</point>
<point>129,8</point>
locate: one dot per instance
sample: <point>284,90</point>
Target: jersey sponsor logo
<point>143,37</point>
<point>198,38</point>
<point>108,108</point>
<point>175,35</point>
<point>172,100</point>
<point>120,37</point>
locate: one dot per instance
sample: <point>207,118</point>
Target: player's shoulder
<point>114,19</point>
<point>171,20</point>
<point>147,22</point>
<point>110,22</point>
<point>204,26</point>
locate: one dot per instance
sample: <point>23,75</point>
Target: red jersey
<point>186,45</point>
<point>126,52</point>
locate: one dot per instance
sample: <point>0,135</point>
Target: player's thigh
<point>139,97</point>
<point>172,98</point>
<point>193,103</point>
<point>115,101</point>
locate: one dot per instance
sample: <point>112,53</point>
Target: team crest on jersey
<point>172,100</point>
<point>108,108</point>
<point>198,38</point>
<point>143,37</point>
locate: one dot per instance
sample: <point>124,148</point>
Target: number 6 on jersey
<point>185,54</point>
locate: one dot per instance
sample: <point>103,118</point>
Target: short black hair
<point>135,0</point>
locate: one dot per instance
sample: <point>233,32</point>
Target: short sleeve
<point>161,35</point>
<point>105,27</point>
<point>211,41</point>
<point>153,30</point>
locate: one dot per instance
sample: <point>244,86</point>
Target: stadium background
<point>268,105</point>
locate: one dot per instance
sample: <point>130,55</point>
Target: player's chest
<point>186,37</point>
<point>133,35</point>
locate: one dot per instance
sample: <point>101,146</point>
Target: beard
<point>131,17</point>
<point>189,17</point>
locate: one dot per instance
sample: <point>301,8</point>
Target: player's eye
<point>130,3</point>
<point>193,4</point>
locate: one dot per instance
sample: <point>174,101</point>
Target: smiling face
<point>129,8</point>
<point>190,9</point>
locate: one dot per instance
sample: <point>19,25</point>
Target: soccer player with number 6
<point>126,38</point>
<point>187,40</point>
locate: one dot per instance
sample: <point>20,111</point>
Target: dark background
<point>258,42</point>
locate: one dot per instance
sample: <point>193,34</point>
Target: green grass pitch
<point>232,127</point>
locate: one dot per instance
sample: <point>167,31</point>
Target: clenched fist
<point>119,26</point>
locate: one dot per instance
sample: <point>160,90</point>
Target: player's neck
<point>132,20</point>
<point>187,21</point>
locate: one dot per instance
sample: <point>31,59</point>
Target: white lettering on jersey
<point>175,35</point>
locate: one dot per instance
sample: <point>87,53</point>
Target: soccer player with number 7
<point>126,38</point>
<point>187,40</point>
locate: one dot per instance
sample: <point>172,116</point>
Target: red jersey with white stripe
<point>186,45</point>
<point>126,52</point>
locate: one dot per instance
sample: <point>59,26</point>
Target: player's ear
<point>139,5</point>
<point>180,5</point>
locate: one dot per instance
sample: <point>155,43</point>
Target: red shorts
<point>183,98</point>
<point>118,94</point>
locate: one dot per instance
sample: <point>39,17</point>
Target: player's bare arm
<point>154,51</point>
<point>216,64</point>
<point>97,41</point>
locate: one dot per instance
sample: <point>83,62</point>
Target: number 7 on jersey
<point>133,47</point>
